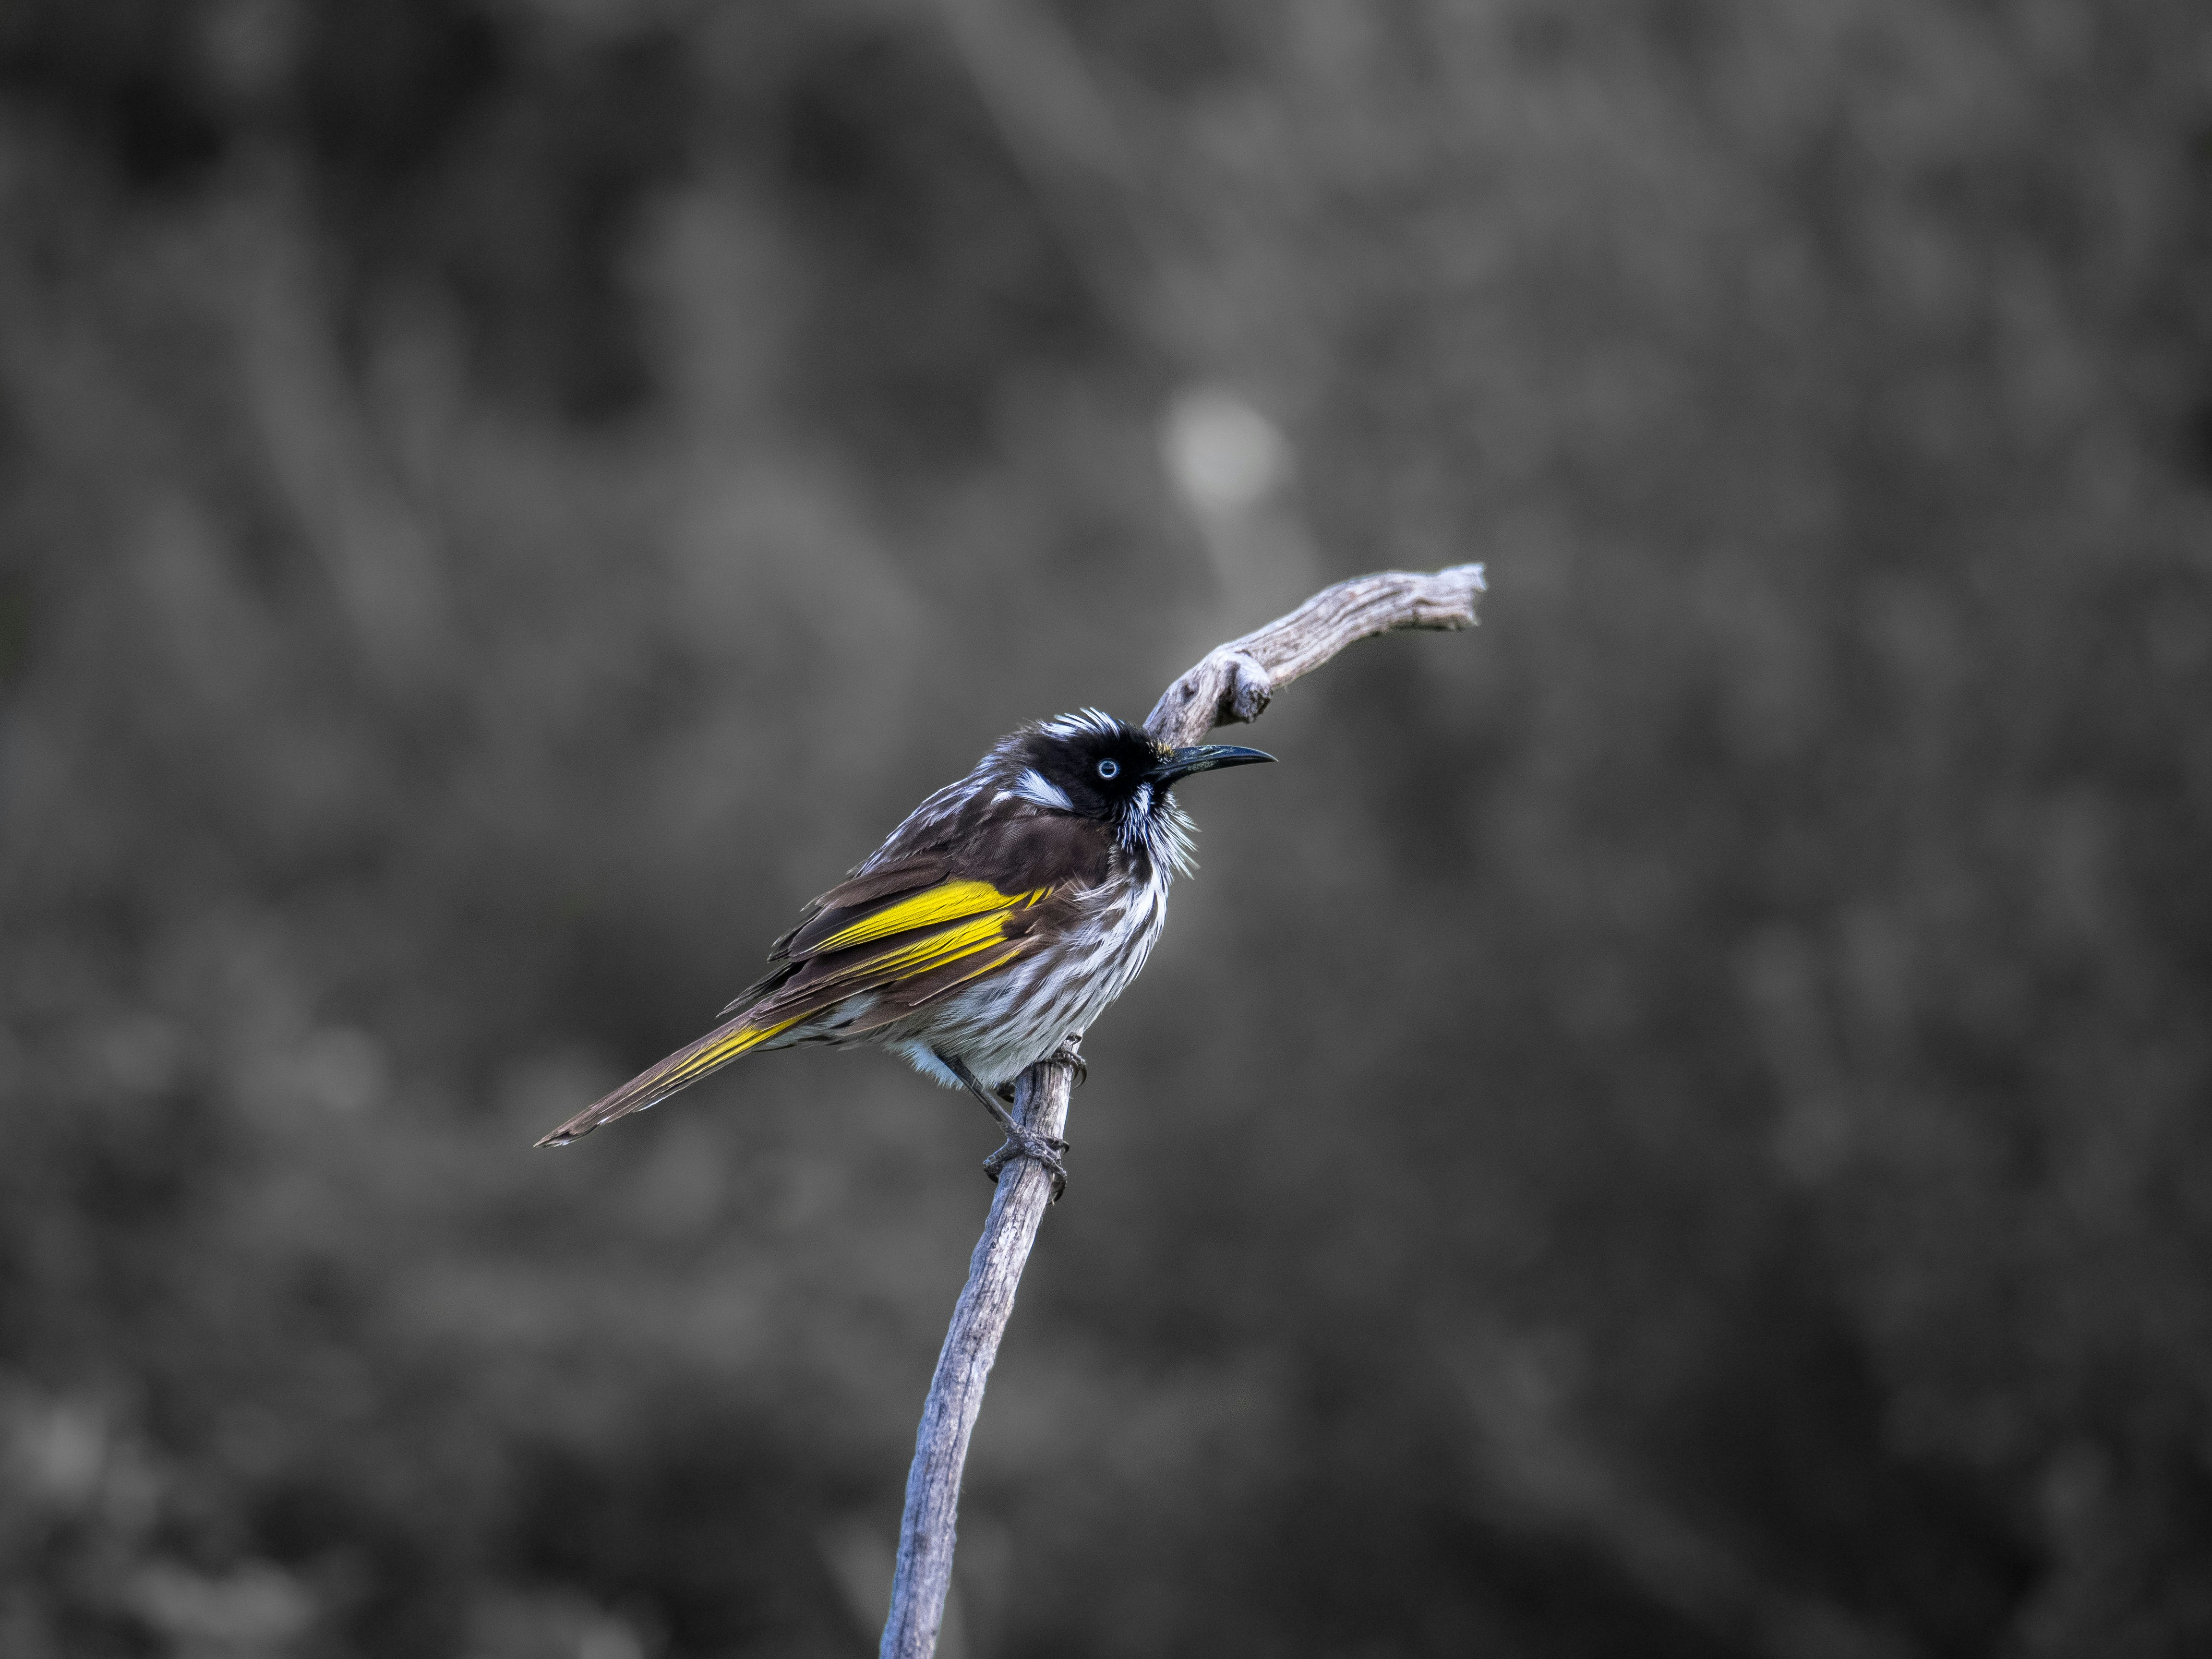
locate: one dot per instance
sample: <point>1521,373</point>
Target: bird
<point>987,933</point>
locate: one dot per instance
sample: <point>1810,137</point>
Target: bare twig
<point>924,1572</point>
<point>1233,681</point>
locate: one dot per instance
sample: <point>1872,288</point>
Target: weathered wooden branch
<point>1234,681</point>
<point>923,1572</point>
<point>1237,681</point>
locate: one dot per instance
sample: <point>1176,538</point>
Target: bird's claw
<point>1070,1053</point>
<point>1021,1142</point>
<point>1044,1150</point>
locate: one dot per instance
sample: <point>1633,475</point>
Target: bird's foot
<point>1045,1150</point>
<point>1070,1053</point>
<point>1020,1142</point>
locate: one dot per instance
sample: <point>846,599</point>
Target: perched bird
<point>989,932</point>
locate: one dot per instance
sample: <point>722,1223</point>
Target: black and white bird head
<point>1090,765</point>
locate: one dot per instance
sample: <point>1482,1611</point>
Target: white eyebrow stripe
<point>1033,786</point>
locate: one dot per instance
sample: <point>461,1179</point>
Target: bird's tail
<point>679,1071</point>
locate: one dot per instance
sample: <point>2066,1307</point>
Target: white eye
<point>1109,768</point>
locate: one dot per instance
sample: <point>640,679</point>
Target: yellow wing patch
<point>987,908</point>
<point>969,918</point>
<point>946,902</point>
<point>744,1037</point>
<point>909,961</point>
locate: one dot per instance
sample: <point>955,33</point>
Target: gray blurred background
<point>1673,1124</point>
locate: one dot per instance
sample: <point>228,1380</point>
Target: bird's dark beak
<point>1206,757</point>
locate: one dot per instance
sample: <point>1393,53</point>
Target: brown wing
<point>908,931</point>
